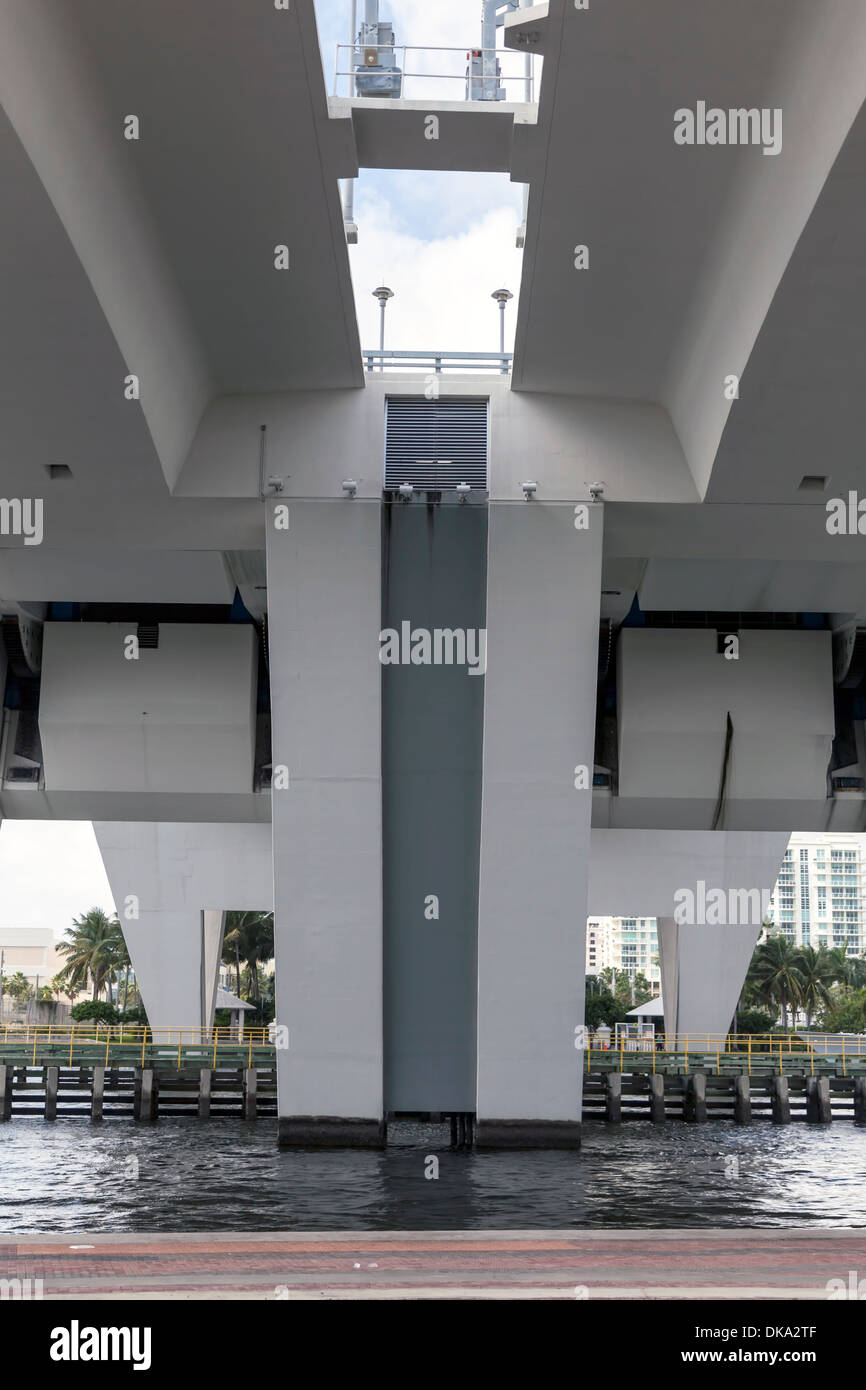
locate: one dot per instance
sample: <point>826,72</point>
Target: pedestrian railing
<point>401,72</point>
<point>717,1052</point>
<point>29,1044</point>
<point>434,363</point>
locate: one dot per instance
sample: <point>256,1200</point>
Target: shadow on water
<point>225,1175</point>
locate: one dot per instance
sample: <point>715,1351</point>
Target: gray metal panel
<point>436,444</point>
<point>434,575</point>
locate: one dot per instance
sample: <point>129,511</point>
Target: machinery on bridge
<point>374,61</point>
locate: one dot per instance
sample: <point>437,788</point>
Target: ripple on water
<point>224,1175</point>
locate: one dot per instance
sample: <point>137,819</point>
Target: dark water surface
<point>227,1175</point>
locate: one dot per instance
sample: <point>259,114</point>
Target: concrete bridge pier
<point>171,883</point>
<point>539,724</point>
<point>324,601</point>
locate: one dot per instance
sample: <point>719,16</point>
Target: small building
<point>236,1007</point>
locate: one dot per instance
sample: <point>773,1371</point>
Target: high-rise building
<point>819,897</point>
<point>623,943</point>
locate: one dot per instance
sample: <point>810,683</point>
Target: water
<point>227,1175</point>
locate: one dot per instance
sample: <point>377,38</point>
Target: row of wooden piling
<point>142,1091</point>
<point>659,1097</point>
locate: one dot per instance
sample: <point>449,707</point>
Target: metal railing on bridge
<point>426,360</point>
<point>129,1045</point>
<point>717,1052</point>
<point>403,72</point>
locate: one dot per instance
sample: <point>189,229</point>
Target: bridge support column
<point>539,723</point>
<point>170,883</point>
<point>661,873</point>
<point>324,603</point>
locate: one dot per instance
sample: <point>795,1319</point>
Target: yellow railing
<point>710,1051</point>
<point>81,1037</point>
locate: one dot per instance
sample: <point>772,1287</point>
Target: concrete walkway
<point>747,1264</point>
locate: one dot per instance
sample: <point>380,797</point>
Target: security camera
<point>350,487</point>
<point>596,492</point>
<point>463,490</point>
<point>276,484</point>
<point>406,491</point>
<point>529,489</point>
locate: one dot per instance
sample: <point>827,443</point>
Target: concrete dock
<point>574,1265</point>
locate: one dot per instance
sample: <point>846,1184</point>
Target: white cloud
<point>442,287</point>
<point>50,871</point>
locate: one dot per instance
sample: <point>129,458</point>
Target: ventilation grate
<point>148,635</point>
<point>436,444</point>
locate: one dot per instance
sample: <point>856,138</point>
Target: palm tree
<point>249,936</point>
<point>818,971</point>
<point>93,949</point>
<point>777,975</point>
<point>18,986</point>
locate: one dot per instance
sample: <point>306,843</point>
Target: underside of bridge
<point>433,672</point>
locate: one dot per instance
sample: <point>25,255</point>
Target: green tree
<point>776,974</point>
<point>94,948</point>
<point>818,973</point>
<point>249,937</point>
<point>95,1011</point>
<point>18,987</point>
<point>845,1013</point>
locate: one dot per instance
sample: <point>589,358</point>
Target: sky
<point>419,233</point>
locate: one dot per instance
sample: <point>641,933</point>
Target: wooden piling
<point>204,1089</point>
<point>5,1092</point>
<point>97,1093</point>
<point>781,1101</point>
<point>860,1100</point>
<point>52,1082</point>
<point>657,1098</point>
<point>742,1100</point>
<point>145,1098</point>
<point>250,1078</point>
<point>818,1110</point>
<point>695,1098</point>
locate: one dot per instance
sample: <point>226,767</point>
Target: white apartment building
<point>819,897</point>
<point>623,943</point>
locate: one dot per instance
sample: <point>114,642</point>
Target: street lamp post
<point>383,294</point>
<point>502,297</point>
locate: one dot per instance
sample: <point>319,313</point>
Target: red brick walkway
<point>497,1264</point>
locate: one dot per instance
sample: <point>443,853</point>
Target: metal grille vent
<point>436,444</point>
<point>148,635</point>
